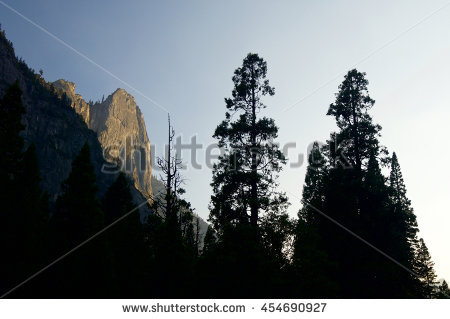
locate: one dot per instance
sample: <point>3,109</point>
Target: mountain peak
<point>66,87</point>
<point>120,91</point>
<point>122,96</point>
<point>116,120</point>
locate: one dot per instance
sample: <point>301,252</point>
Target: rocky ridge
<point>120,129</point>
<point>54,127</point>
<point>59,121</point>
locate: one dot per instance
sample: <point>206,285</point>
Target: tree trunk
<point>169,178</point>
<point>254,171</point>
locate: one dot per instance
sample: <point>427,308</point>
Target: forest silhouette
<point>252,248</point>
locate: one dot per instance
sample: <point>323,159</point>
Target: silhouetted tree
<point>170,167</point>
<point>404,228</point>
<point>78,216</point>
<point>354,185</point>
<point>311,269</point>
<point>375,226</point>
<point>11,159</point>
<point>345,188</point>
<point>209,241</point>
<point>32,214</point>
<point>357,136</point>
<point>277,237</point>
<point>24,207</point>
<point>424,267</point>
<point>246,210</point>
<point>197,237</point>
<point>313,188</point>
<point>11,111</point>
<point>174,240</point>
<point>129,258</point>
<point>244,179</point>
<point>443,291</point>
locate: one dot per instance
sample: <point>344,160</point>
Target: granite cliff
<point>59,121</point>
<point>120,128</point>
<point>56,124</point>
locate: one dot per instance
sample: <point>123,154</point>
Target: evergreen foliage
<point>424,267</point>
<point>126,242</point>
<point>344,181</point>
<point>246,210</point>
<point>78,216</point>
<point>24,207</point>
<point>245,177</point>
<point>352,214</point>
<point>443,291</point>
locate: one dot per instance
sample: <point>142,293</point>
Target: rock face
<point>54,127</point>
<point>59,127</point>
<point>121,131</point>
<point>80,106</point>
<point>120,128</point>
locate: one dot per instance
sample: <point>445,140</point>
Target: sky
<point>179,56</point>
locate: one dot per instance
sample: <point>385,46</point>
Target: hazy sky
<point>182,55</point>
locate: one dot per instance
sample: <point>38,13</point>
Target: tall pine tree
<point>24,208</point>
<point>245,207</point>
<point>245,177</point>
<point>78,216</point>
<point>311,268</point>
<point>348,186</point>
<point>126,242</point>
<point>424,267</point>
<point>354,185</point>
<point>358,136</point>
<point>11,159</point>
<point>443,291</point>
<point>404,229</point>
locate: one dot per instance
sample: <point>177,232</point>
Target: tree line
<point>356,235</point>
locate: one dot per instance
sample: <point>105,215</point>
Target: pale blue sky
<point>182,54</point>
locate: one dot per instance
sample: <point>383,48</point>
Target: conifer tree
<point>402,206</point>
<point>24,208</point>
<point>354,184</point>
<point>444,291</point>
<point>78,216</point>
<point>11,159</point>
<point>197,244</point>
<point>78,208</point>
<point>424,267</point>
<point>403,226</point>
<point>311,269</point>
<point>11,112</point>
<point>313,188</point>
<point>375,225</point>
<point>186,219</point>
<point>277,236</point>
<point>207,264</point>
<point>358,135</point>
<point>125,240</point>
<point>245,177</point>
<point>209,241</point>
<point>348,187</point>
<point>33,211</point>
<point>244,187</point>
